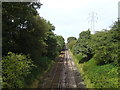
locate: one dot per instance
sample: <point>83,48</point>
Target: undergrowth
<point>34,79</point>
<point>96,76</point>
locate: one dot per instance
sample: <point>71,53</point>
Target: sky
<point>70,17</point>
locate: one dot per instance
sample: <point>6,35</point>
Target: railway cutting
<point>63,74</point>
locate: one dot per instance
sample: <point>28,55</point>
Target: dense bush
<point>106,47</point>
<point>96,76</point>
<point>43,64</point>
<point>82,46</point>
<point>105,76</point>
<point>103,46</point>
<point>15,68</point>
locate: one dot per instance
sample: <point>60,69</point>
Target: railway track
<point>71,79</point>
<point>65,71</point>
<point>56,82</point>
<point>60,79</point>
<point>62,74</point>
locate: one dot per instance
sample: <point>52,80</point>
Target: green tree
<point>16,21</point>
<point>60,42</point>
<point>69,39</point>
<point>106,46</point>
<point>52,45</point>
<point>83,47</point>
<point>24,31</point>
<point>15,68</point>
<point>71,42</point>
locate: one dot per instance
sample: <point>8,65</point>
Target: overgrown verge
<point>16,67</point>
<point>105,76</point>
<point>19,71</point>
<point>34,79</point>
<point>87,82</point>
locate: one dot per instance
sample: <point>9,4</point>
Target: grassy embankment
<point>104,76</point>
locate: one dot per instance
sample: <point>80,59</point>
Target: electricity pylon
<point>92,19</point>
